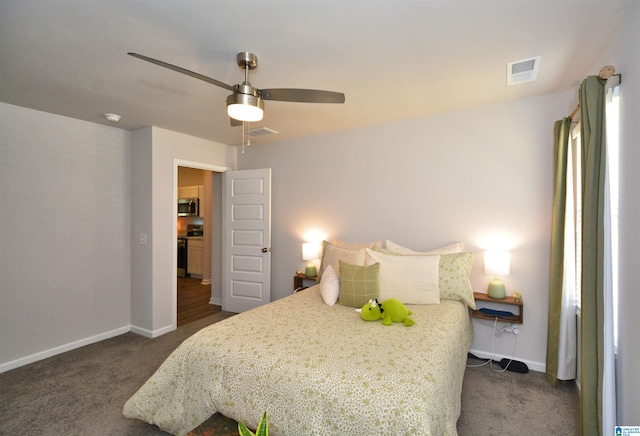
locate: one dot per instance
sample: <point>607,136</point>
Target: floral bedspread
<point>316,370</point>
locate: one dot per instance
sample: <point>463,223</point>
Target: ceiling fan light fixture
<point>244,107</point>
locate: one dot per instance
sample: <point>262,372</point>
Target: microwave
<point>188,207</point>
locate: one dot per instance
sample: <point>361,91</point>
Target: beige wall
<point>73,270</point>
<point>153,307</point>
<point>65,197</point>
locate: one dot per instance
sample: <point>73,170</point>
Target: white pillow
<point>330,286</point>
<point>457,247</point>
<point>410,279</point>
<point>356,245</point>
<point>332,255</point>
<point>454,273</point>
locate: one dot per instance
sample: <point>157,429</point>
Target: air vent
<point>522,71</point>
<point>259,132</point>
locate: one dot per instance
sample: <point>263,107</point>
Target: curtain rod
<point>573,114</point>
<point>605,73</point>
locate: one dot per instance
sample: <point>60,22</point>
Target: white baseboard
<point>151,333</point>
<point>534,366</point>
<point>81,343</point>
<point>62,349</point>
<point>216,301</point>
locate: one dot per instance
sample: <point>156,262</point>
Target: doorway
<point>194,300</point>
<point>199,234</point>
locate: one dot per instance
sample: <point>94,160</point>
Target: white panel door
<point>246,227</point>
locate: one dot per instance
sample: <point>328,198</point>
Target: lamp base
<point>310,270</point>
<point>497,290</point>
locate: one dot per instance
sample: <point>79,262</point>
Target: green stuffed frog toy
<point>389,311</point>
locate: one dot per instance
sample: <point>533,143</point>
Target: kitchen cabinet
<point>188,192</point>
<point>194,257</point>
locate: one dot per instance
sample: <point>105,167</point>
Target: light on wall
<point>310,253</point>
<point>497,264</point>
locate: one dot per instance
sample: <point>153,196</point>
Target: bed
<point>316,370</point>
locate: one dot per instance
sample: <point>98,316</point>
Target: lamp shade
<point>244,107</point>
<point>497,263</point>
<point>310,252</point>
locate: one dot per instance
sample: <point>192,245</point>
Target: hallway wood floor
<point>193,301</point>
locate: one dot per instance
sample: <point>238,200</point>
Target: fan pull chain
<point>248,142</point>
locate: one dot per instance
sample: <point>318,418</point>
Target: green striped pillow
<point>358,284</point>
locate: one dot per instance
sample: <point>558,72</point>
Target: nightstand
<point>299,281</point>
<point>507,301</point>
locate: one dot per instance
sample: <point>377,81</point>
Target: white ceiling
<point>393,59</point>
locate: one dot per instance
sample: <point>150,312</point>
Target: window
<point>612,110</point>
<point>573,220</point>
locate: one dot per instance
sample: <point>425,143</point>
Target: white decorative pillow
<point>410,279</point>
<point>454,272</point>
<point>457,247</point>
<point>332,255</point>
<point>330,286</point>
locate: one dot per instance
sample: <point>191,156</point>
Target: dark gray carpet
<point>82,392</point>
<point>510,403</point>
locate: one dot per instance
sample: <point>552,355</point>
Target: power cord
<point>499,332</point>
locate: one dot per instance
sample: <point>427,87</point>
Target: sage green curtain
<point>560,152</point>
<point>593,138</point>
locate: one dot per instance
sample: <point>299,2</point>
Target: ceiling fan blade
<point>301,95</point>
<point>183,71</point>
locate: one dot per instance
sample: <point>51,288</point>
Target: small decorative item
<point>517,297</point>
<point>606,72</point>
<point>389,311</point>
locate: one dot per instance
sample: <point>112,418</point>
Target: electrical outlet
<point>513,330</point>
<point>509,328</point>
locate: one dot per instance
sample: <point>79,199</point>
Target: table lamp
<point>497,264</point>
<point>310,252</point>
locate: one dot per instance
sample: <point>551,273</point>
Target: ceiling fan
<point>246,103</point>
